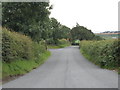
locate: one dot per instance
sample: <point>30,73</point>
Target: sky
<point>96,15</point>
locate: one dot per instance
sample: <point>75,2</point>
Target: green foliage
<point>98,38</point>
<point>17,46</point>
<point>64,32</point>
<point>20,67</point>
<point>29,18</point>
<point>32,19</point>
<point>20,54</point>
<point>50,41</point>
<point>58,32</point>
<point>53,47</point>
<point>61,44</point>
<point>38,49</point>
<point>104,53</point>
<point>63,41</point>
<point>82,33</point>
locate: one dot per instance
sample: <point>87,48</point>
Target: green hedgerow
<point>104,53</point>
<point>20,54</point>
<point>16,46</point>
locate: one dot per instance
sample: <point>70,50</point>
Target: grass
<point>119,70</point>
<point>20,67</point>
<point>56,46</point>
<point>0,71</point>
<point>53,47</point>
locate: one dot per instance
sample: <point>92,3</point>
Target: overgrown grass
<point>20,67</point>
<point>104,53</point>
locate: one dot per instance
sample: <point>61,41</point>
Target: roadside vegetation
<point>21,54</point>
<point>104,53</point>
<point>27,36</point>
<point>38,26</point>
<point>61,44</point>
<point>101,51</point>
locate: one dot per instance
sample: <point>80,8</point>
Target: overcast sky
<point>97,15</point>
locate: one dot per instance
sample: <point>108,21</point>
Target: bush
<point>39,48</point>
<point>20,54</point>
<point>104,53</point>
<point>50,41</point>
<point>16,46</point>
<point>63,43</point>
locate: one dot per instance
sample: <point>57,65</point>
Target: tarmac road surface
<point>66,68</point>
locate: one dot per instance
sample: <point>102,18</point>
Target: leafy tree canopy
<point>82,33</point>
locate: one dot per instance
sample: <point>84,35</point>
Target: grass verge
<point>57,46</point>
<point>21,67</point>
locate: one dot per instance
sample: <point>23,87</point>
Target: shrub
<point>104,53</point>
<point>20,54</point>
<point>39,48</point>
<point>63,43</point>
<point>50,41</point>
<point>16,46</point>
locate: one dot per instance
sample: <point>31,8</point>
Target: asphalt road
<point>66,68</point>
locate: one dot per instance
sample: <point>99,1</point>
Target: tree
<point>55,28</point>
<point>81,33</point>
<point>64,32</point>
<point>59,31</point>
<point>29,18</point>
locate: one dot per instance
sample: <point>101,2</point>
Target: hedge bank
<point>104,53</point>
<point>20,54</point>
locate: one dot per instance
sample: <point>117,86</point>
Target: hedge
<point>20,54</point>
<point>16,46</point>
<point>104,53</point>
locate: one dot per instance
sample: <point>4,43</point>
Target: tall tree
<point>59,31</point>
<point>29,18</point>
<point>81,33</point>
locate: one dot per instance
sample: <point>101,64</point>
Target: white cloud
<point>97,15</point>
